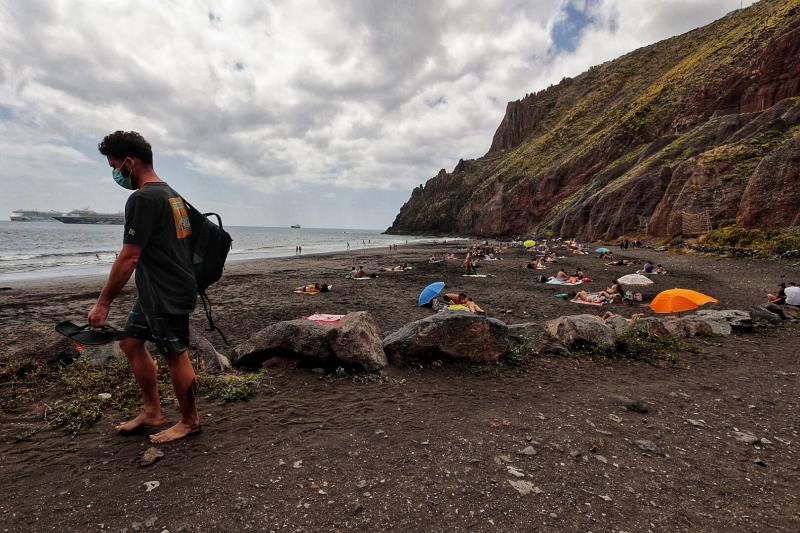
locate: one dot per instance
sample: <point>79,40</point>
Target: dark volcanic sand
<point>429,449</point>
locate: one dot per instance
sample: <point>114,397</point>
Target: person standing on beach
<point>155,245</point>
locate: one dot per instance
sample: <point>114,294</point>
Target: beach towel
<point>301,291</point>
<point>360,279</point>
<point>456,307</point>
<point>556,281</point>
<point>475,275</point>
<point>651,273</point>
<point>320,318</point>
<point>577,300</point>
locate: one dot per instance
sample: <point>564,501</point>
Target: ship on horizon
<point>87,216</point>
<point>31,215</point>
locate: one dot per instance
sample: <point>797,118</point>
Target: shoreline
<point>231,264</point>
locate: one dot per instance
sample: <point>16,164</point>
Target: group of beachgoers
<point>624,244</point>
<point>545,252</point>
<point>787,294</point>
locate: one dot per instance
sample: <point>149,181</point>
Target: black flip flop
<point>87,335</point>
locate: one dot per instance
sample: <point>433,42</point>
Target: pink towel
<point>324,319</point>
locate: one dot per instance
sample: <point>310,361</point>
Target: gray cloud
<point>274,96</point>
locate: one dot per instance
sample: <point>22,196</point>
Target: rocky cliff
<point>674,138</point>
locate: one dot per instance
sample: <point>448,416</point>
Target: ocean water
<point>36,250</point>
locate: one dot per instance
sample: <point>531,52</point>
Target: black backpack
<point>210,246</point>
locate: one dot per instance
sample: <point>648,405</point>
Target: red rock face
<point>773,76</point>
<point>772,196</point>
<point>688,132</point>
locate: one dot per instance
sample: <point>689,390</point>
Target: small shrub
<point>228,387</point>
<point>519,354</point>
<point>774,241</point>
<point>76,414</point>
<point>635,343</point>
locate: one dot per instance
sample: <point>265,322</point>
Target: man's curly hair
<point>121,144</point>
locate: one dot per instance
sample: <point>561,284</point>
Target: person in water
<point>156,245</point>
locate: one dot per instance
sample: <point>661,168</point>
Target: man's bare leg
<point>185,386</point>
<point>146,374</point>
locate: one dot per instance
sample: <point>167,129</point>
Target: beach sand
<point>429,448</point>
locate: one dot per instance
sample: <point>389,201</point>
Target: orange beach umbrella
<point>677,300</point>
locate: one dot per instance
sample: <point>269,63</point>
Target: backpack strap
<point>211,325</point>
<point>219,218</point>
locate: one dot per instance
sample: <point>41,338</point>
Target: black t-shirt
<point>157,219</point>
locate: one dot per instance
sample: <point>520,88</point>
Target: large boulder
<point>355,340</point>
<point>652,326</point>
<point>766,316</point>
<point>103,355</point>
<point>791,312</point>
<point>299,337</point>
<point>688,326</point>
<point>524,332</point>
<point>618,323</point>
<point>454,334</point>
<point>201,349</point>
<point>723,322</point>
<point>581,331</point>
<point>358,342</point>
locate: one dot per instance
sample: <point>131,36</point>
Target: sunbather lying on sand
<point>314,288</point>
<point>398,268</point>
<point>593,297</point>
<point>462,299</point>
<point>614,291</point>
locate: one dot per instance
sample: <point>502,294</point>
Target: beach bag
<point>542,279</point>
<point>210,245</point>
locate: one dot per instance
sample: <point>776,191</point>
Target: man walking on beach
<point>156,245</point>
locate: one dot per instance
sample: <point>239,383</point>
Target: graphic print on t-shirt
<point>181,215</point>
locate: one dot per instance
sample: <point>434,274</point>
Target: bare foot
<point>178,431</point>
<point>142,421</point>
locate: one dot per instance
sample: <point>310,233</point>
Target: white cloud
<point>277,96</point>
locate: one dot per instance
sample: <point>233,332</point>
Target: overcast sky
<point>321,113</point>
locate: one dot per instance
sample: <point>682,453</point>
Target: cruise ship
<point>87,216</point>
<point>30,215</point>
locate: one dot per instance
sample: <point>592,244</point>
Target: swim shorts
<point>169,332</point>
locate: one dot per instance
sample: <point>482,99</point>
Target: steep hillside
<point>674,138</point>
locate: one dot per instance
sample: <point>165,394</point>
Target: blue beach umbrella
<point>602,250</point>
<point>430,292</point>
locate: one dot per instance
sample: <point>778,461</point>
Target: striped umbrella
<point>635,279</point>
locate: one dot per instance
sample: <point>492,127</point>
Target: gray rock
<point>150,456</point>
<point>358,342</point>
<point>581,331</point>
<point>455,334</point>
<point>725,321</point>
<point>688,326</point>
<point>101,356</point>
<point>355,340</point>
<point>521,333</point>
<point>746,437</point>
<point>201,349</point>
<point>792,312</point>
<point>649,446</point>
<point>299,337</point>
<point>761,316</point>
<point>618,323</point>
<point>652,326</point>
